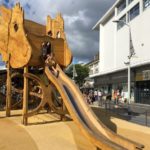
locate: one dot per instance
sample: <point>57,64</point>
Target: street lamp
<point>131,54</point>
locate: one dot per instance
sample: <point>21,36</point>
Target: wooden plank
<point>25,98</point>
<point>33,27</point>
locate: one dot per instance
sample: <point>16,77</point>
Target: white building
<point>93,70</point>
<point>93,66</point>
<point>114,48</point>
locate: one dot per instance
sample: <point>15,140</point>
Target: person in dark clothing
<point>46,49</point>
<point>93,99</point>
<point>50,33</point>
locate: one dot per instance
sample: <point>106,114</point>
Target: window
<point>91,72</point>
<point>134,12</point>
<point>121,6</point>
<point>96,70</point>
<point>146,3</point>
<point>129,1</point>
<point>121,22</point>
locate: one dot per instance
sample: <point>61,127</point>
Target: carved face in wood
<point>13,40</point>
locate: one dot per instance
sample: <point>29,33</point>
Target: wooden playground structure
<point>35,56</point>
<point>21,45</point>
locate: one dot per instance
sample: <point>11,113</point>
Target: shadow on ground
<point>105,117</point>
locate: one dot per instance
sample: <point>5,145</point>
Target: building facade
<point>132,17</point>
<point>93,66</point>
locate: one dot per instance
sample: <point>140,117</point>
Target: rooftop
<point>96,58</point>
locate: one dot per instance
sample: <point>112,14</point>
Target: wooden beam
<point>63,117</point>
<point>8,93</point>
<point>25,98</point>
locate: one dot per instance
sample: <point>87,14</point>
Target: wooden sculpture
<point>22,46</point>
<point>35,56</point>
<point>22,39</point>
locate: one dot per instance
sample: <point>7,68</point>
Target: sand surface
<point>44,132</point>
<point>47,132</point>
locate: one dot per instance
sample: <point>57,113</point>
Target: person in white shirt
<point>96,95</point>
<point>99,97</point>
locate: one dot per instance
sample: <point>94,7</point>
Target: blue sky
<point>79,15</point>
<point>1,63</point>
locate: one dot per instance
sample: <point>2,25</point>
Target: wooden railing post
<point>25,98</point>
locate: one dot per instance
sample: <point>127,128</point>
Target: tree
<point>82,73</point>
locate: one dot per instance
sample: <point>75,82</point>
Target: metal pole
<point>131,53</point>
<point>129,83</point>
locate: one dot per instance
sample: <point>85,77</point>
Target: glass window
<point>96,70</point>
<point>134,12</point>
<point>91,72</point>
<point>121,22</point>
<point>121,6</point>
<point>129,1</point>
<point>146,3</point>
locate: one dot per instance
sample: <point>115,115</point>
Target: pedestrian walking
<point>96,95</point>
<point>99,97</point>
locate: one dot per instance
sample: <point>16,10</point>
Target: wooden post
<point>63,117</point>
<point>8,93</point>
<point>25,98</point>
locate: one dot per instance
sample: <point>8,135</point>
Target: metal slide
<point>95,131</point>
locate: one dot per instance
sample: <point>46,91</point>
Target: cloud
<point>80,17</point>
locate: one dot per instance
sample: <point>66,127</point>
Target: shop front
<point>116,83</point>
<point>142,86</point>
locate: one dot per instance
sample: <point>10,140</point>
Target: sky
<point>79,15</point>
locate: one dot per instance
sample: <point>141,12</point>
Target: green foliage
<point>82,73</point>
